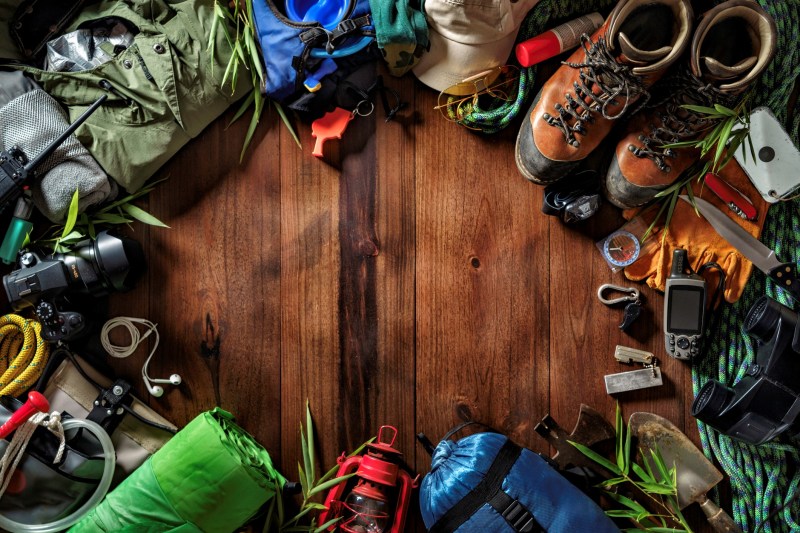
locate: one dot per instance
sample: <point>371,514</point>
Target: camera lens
<point>107,264</point>
<point>121,260</point>
<point>710,401</point>
<point>762,319</point>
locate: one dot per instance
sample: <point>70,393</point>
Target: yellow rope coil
<point>23,354</point>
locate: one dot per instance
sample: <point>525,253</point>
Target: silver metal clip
<point>633,294</point>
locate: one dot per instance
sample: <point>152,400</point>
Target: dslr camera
<point>95,267</point>
<point>766,401</point>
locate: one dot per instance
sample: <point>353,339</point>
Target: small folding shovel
<point>696,474</point>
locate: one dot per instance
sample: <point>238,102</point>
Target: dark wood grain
<point>409,279</point>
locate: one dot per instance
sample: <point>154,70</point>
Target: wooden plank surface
<point>407,279</point>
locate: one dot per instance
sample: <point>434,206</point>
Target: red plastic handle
<point>36,404</point>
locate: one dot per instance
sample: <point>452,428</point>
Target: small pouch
<point>136,430</point>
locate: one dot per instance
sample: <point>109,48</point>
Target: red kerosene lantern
<point>378,501</point>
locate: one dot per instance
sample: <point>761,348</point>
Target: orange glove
<point>703,244</point>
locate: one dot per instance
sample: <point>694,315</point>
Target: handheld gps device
<point>684,308</point>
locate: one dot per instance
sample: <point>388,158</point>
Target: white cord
<point>136,337</point>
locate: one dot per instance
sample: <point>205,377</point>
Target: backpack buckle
<point>514,513</point>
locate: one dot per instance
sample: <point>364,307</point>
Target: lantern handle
<point>380,435</point>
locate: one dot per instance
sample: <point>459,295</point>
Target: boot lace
<point>677,123</point>
<point>602,81</point>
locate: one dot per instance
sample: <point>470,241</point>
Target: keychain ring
<point>360,113</point>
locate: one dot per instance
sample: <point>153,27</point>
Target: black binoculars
<point>766,401</point>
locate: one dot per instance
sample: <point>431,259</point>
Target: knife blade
<point>784,274</point>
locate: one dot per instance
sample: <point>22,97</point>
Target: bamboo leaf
<point>327,524</point>
<point>666,530</point>
<point>249,135</point>
<point>310,434</point>
<point>752,150</point>
<point>659,462</point>
<point>627,452</point>
<point>111,218</point>
<point>286,122</point>
<point>643,475</point>
<point>142,216</point>
<point>72,214</point>
<point>722,142</point>
<point>627,502</point>
<point>242,108</point>
<point>596,457</point>
<point>619,448</point>
<point>701,109</point>
<point>255,57</point>
<point>656,488</point>
<point>306,462</point>
<point>668,216</point>
<point>303,480</point>
<point>721,109</point>
<point>621,513</point>
<point>608,483</point>
<point>322,487</point>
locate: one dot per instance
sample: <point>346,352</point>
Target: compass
<point>621,248</point>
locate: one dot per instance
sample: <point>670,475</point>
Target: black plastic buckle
<point>515,514</point>
<point>107,409</point>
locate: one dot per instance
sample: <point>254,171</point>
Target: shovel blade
<point>696,475</point>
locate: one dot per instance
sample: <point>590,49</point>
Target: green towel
<point>401,32</point>
<point>212,476</point>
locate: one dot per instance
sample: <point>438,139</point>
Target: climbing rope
<point>23,354</point>
<point>765,479</point>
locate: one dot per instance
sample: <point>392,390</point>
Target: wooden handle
<point>719,519</point>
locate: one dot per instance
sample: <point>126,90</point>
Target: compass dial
<point>621,248</point>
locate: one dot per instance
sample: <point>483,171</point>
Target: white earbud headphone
<point>136,338</point>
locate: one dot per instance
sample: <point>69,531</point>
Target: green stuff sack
<point>211,477</point>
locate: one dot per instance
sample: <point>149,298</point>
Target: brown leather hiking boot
<point>733,43</point>
<point>600,82</point>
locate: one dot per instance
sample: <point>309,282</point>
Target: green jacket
<point>168,77</point>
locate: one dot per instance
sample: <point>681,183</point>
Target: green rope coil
<point>766,478</point>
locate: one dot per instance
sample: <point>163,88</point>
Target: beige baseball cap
<point>468,37</point>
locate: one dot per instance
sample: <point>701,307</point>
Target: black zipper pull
<point>105,84</point>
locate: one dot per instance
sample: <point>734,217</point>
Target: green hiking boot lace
<point>600,71</point>
<point>677,123</point>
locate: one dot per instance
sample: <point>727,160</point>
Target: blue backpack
<point>486,483</point>
<point>293,51</point>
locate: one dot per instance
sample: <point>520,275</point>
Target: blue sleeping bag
<point>487,484</point>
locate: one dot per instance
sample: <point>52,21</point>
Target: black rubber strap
<point>482,493</point>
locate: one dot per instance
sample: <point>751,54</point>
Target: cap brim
<point>449,62</point>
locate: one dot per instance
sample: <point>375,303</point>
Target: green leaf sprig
<point>660,486</point>
<point>245,53</point>
<point>78,227</point>
<point>305,520</point>
<point>717,147</point>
